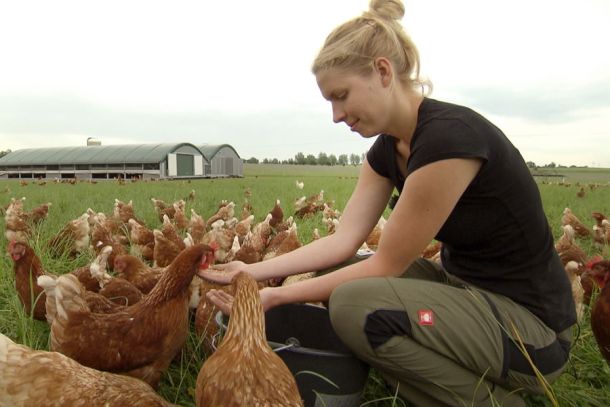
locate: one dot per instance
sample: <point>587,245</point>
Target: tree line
<point>310,159</point>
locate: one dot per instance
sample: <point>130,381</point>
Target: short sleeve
<point>378,154</point>
<point>443,139</point>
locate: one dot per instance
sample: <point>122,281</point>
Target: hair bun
<point>387,9</point>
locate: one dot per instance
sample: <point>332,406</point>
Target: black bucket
<point>326,371</point>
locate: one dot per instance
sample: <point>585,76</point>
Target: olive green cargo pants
<point>444,343</point>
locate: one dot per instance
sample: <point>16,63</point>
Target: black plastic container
<point>326,372</point>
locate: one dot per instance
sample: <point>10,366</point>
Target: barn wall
<point>226,163</point>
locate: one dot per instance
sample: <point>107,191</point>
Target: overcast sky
<point>238,72</point>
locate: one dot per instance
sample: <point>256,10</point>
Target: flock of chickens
<point>117,324</point>
<point>587,273</point>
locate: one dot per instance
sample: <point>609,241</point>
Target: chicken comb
<point>594,260</point>
<point>213,245</point>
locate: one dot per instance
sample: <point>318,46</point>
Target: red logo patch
<point>426,317</point>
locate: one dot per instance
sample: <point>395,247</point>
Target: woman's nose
<point>338,113</point>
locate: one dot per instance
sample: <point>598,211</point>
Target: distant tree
<point>311,159</point>
<point>551,165</point>
<point>354,159</point>
<point>332,159</point>
<point>299,158</point>
<point>323,159</point>
<point>265,161</point>
<point>252,160</point>
<point>531,164</point>
<point>4,152</point>
<point>342,160</point>
<point>275,161</point>
<point>290,161</point>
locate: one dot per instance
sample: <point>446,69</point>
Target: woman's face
<point>358,101</point>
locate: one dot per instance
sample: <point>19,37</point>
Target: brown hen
<point>72,239</point>
<point>140,340</point>
<point>600,314</point>
<point>28,267</point>
<point>38,378</point>
<point>197,226</point>
<point>124,211</point>
<point>222,237</point>
<point>137,272</point>
<point>205,325</point>
<point>599,218</point>
<point>372,239</point>
<point>142,240</point>
<point>277,214</point>
<point>15,225</point>
<point>165,250</point>
<point>431,250</point>
<point>171,233</point>
<point>180,218</point>
<point>569,218</point>
<point>247,253</point>
<point>282,243</point>
<point>568,249</point>
<point>244,370</point>
<point>38,214</point>
<point>163,208</point>
<point>96,302</point>
<point>243,227</point>
<point>578,291</point>
<point>121,291</point>
<point>102,235</point>
<point>225,212</point>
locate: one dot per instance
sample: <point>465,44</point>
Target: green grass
<point>585,381</point>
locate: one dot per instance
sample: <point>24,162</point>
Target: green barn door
<point>186,164</point>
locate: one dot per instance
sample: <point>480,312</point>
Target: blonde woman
<point>443,335</point>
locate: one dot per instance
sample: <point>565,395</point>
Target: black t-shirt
<point>497,237</point>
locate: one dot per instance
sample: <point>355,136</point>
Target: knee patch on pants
<point>381,325</point>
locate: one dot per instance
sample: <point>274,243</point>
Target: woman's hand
<point>222,273</point>
<point>224,301</point>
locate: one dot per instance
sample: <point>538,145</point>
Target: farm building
<point>223,159</point>
<point>145,161</point>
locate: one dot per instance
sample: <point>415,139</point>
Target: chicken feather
<point>140,340</point>
<point>38,378</point>
<point>244,370</point>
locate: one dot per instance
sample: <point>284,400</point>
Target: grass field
<point>585,381</point>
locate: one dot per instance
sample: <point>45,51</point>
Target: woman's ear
<point>383,67</point>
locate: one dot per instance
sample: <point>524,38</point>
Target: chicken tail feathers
<point>98,266</point>
<point>69,297</point>
<point>5,344</point>
<point>48,284</point>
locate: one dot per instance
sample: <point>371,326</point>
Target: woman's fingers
<point>215,276</point>
<point>221,266</point>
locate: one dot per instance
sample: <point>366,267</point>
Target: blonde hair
<point>355,44</point>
